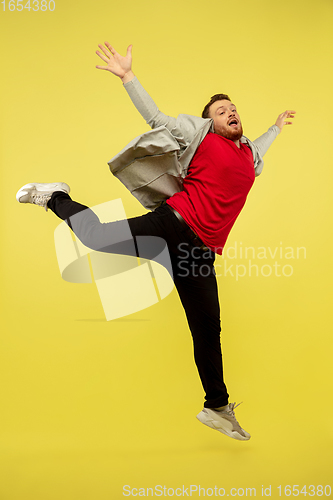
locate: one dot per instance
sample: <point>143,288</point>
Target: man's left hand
<point>281,121</point>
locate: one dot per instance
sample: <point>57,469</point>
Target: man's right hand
<point>117,64</point>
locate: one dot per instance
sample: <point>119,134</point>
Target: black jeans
<point>192,268</point>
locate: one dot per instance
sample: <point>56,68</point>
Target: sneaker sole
<point>203,419</point>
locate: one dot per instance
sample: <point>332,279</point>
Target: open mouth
<point>233,123</point>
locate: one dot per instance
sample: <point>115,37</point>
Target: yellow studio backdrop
<point>89,406</point>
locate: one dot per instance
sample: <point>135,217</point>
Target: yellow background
<point>88,406</point>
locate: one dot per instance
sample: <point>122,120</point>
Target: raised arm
<point>121,66</point>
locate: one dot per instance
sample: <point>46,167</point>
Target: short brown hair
<point>214,98</point>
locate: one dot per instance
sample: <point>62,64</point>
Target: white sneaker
<point>40,193</point>
<point>224,421</point>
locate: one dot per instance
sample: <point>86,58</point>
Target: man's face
<point>226,120</point>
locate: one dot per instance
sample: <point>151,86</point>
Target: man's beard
<point>233,135</point>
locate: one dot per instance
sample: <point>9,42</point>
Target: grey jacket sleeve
<point>146,106</point>
<point>182,130</point>
<point>265,140</point>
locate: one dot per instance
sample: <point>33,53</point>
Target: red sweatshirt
<point>215,189</point>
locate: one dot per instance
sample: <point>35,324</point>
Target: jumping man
<point>194,174</point>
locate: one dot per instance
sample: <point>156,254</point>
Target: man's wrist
<point>127,77</point>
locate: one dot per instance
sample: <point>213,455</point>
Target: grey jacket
<point>153,165</point>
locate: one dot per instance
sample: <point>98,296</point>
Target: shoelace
<point>231,408</point>
<point>40,199</point>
